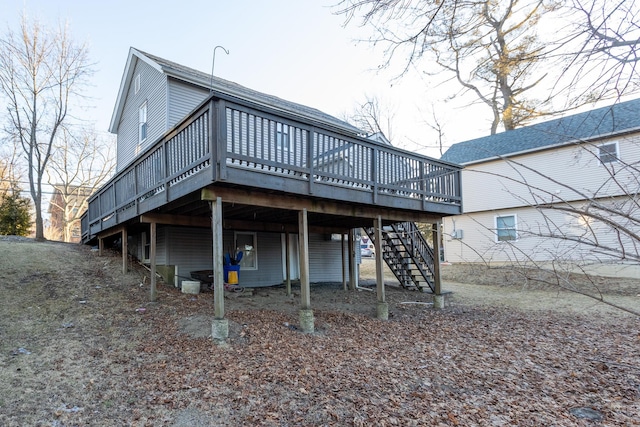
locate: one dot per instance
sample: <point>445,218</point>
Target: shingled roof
<point>596,124</point>
<point>227,87</point>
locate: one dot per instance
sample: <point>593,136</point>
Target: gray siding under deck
<point>190,249</point>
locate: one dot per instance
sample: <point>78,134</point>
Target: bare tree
<point>79,166</point>
<point>602,51</point>
<point>436,124</point>
<point>372,117</point>
<point>41,71</point>
<point>490,48</point>
<point>497,51</point>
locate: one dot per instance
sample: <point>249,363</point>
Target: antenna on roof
<point>213,64</point>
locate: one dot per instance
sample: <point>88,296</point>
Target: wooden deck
<point>233,143</point>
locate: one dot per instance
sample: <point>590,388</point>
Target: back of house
<point>187,140</point>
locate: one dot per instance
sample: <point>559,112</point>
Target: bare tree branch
<point>41,72</point>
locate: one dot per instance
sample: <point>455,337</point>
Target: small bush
<point>15,219</point>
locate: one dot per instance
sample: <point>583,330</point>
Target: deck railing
<point>227,140</point>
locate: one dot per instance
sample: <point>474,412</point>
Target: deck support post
<point>220,325</point>
<point>287,262</point>
<point>345,259</point>
<point>306,314</point>
<point>153,293</point>
<point>382,308</point>
<point>125,251</point>
<point>438,298</point>
<point>100,246</point>
<point>352,260</point>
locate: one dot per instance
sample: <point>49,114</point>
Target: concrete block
<point>438,302</point>
<point>220,330</point>
<point>382,310</point>
<point>190,287</point>
<point>307,321</point>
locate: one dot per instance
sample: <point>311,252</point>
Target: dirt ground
<point>81,345</point>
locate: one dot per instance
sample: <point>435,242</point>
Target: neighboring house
<point>554,191</point>
<point>65,208</point>
<point>206,166</point>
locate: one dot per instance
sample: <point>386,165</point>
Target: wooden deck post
<point>345,260</point>
<point>382,307</point>
<point>153,294</point>
<point>125,251</point>
<point>438,299</point>
<point>306,314</point>
<point>352,260</point>
<point>218,256</point>
<point>220,325</point>
<point>287,262</point>
<point>100,246</point>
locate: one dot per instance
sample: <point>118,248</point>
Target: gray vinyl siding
<point>269,272</point>
<point>325,259</point>
<point>153,91</point>
<point>190,249</point>
<point>162,242</point>
<point>182,99</point>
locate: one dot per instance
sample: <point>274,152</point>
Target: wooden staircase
<point>408,255</point>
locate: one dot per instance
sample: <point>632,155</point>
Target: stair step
<point>407,254</point>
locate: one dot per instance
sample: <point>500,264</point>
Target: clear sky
<point>297,50</point>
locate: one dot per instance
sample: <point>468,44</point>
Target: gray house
<point>207,167</point>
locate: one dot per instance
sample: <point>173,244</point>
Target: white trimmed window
<point>246,242</point>
<point>506,228</point>
<point>142,123</point>
<point>608,153</point>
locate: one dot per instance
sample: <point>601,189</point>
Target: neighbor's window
<point>506,228</point>
<point>142,123</point>
<point>608,153</point>
<point>246,242</point>
<point>282,136</point>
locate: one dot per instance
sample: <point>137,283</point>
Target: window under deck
<point>227,141</point>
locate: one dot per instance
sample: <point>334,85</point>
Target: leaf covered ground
<point>80,345</point>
